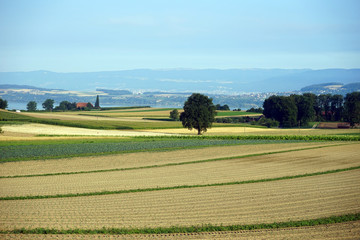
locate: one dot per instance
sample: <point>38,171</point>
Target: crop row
<point>190,229</point>
<point>18,152</point>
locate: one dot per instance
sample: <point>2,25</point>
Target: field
<point>165,184</point>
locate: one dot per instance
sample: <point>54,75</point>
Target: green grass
<point>174,187</point>
<point>191,229</point>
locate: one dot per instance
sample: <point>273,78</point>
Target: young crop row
<point>24,152</point>
<point>191,229</point>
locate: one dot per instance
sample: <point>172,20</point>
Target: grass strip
<point>191,229</point>
<point>169,164</point>
<point>175,187</point>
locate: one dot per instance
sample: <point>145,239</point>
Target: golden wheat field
<point>307,197</point>
<point>293,199</point>
<point>139,159</point>
<point>242,169</point>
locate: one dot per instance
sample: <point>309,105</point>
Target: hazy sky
<point>85,35</point>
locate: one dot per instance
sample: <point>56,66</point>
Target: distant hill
<point>14,86</point>
<point>114,92</point>
<point>332,88</point>
<point>215,81</point>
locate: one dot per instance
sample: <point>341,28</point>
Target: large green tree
<point>352,108</point>
<point>31,106</point>
<point>337,107</point>
<point>305,108</point>
<point>48,104</point>
<point>199,113</point>
<point>174,115</point>
<point>282,109</point>
<point>3,104</point>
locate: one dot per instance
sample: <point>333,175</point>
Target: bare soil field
<point>347,230</point>
<point>266,202</point>
<point>140,159</point>
<point>251,168</point>
<point>34,128</point>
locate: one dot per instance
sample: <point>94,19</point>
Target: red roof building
<point>82,105</point>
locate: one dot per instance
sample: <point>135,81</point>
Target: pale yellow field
<point>295,199</point>
<point>251,168</point>
<point>144,158</point>
<point>35,128</point>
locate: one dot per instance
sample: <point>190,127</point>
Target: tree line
<point>48,105</point>
<point>299,110</point>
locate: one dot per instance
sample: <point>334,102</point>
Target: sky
<point>109,35</point>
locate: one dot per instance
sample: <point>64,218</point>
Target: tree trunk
<point>199,131</point>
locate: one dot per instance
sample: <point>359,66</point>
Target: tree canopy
<point>31,106</point>
<point>174,115</point>
<point>352,108</point>
<point>282,109</point>
<point>199,113</point>
<point>3,104</point>
<point>48,104</point>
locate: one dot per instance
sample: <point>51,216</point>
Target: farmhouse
<point>82,105</point>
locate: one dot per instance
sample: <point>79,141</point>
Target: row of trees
<point>297,110</point>
<point>48,105</point>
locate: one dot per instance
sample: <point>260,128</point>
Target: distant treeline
<point>296,110</point>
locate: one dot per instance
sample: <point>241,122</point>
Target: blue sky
<point>83,36</point>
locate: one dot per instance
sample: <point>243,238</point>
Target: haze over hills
<point>239,88</point>
<point>216,81</point>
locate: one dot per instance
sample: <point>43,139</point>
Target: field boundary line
<point>175,187</point>
<point>171,164</point>
<point>191,229</point>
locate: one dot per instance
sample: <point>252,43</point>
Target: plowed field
<point>302,198</point>
<point>295,199</point>
<point>143,158</point>
<point>251,168</point>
